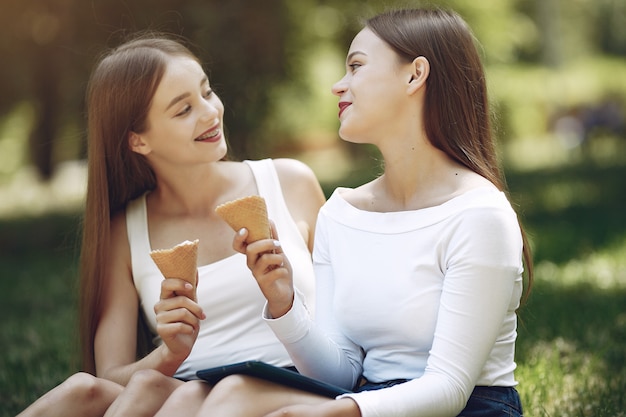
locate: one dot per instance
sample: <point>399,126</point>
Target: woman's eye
<point>184,111</point>
<point>187,109</point>
<point>354,66</point>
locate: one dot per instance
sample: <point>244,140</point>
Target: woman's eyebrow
<point>204,80</point>
<point>353,53</point>
<point>178,98</point>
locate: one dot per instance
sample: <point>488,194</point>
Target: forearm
<point>160,359</point>
<point>344,407</point>
<point>313,353</point>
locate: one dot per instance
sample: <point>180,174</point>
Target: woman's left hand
<point>344,407</point>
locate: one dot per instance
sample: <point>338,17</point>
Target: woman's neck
<point>420,178</point>
<point>192,191</point>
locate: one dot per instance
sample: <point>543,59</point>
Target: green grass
<point>571,350</point>
<point>38,349</point>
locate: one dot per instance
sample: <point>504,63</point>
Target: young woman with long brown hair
<point>419,272</point>
<point>157,169</point>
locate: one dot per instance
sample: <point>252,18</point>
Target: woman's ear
<point>420,68</point>
<point>137,144</point>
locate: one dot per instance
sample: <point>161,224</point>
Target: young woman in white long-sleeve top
<point>419,272</point>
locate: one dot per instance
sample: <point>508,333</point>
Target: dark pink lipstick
<point>211,135</point>
<point>342,106</point>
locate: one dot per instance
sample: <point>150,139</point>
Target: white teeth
<point>209,135</point>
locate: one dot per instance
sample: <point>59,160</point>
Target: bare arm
<point>116,336</point>
<point>265,258</point>
<point>303,195</point>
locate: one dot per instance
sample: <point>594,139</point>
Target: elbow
<point>452,392</point>
<point>458,398</point>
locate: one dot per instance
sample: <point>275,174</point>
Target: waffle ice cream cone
<point>249,212</point>
<point>180,261</point>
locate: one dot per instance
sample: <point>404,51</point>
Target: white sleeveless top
<point>234,330</point>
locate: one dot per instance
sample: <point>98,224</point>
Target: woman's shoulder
<point>302,193</point>
<point>359,197</point>
<point>296,177</point>
<point>288,167</point>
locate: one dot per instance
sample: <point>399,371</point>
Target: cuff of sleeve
<point>293,325</point>
<point>366,401</point>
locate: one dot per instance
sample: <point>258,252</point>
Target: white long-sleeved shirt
<point>427,295</point>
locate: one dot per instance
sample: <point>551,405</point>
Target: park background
<point>557,78</point>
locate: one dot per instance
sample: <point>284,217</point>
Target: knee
<point>190,392</point>
<point>246,395</point>
<point>148,379</point>
<point>233,387</point>
<point>85,387</point>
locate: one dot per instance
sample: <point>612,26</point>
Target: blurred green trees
<point>271,61</point>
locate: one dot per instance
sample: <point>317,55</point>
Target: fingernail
<point>277,244</point>
<point>242,231</point>
<point>188,286</point>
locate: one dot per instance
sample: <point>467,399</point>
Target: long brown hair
<point>119,95</point>
<point>456,108</point>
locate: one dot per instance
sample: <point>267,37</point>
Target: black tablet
<point>274,374</point>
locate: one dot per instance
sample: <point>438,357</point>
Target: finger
<point>179,302</point>
<point>171,287</point>
<point>274,279</point>
<point>256,250</point>
<point>239,241</point>
<point>274,232</point>
<point>277,246</point>
<point>179,315</point>
<point>270,261</point>
<point>169,330</point>
<point>194,291</point>
<point>172,323</point>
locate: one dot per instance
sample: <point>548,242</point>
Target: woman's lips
<point>211,135</point>
<point>342,106</point>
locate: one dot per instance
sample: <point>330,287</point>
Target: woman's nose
<point>209,110</point>
<point>339,87</point>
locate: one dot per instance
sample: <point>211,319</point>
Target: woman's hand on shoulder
<point>303,194</point>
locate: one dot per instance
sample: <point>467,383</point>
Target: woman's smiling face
<point>185,119</point>
<point>371,93</point>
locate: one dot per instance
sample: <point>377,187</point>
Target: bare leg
<point>144,395</point>
<point>186,400</point>
<point>81,395</point>
<point>244,396</point>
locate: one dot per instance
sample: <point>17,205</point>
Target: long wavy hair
<point>119,95</point>
<point>456,110</point>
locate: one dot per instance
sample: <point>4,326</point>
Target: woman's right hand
<point>270,268</point>
<point>178,317</point>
